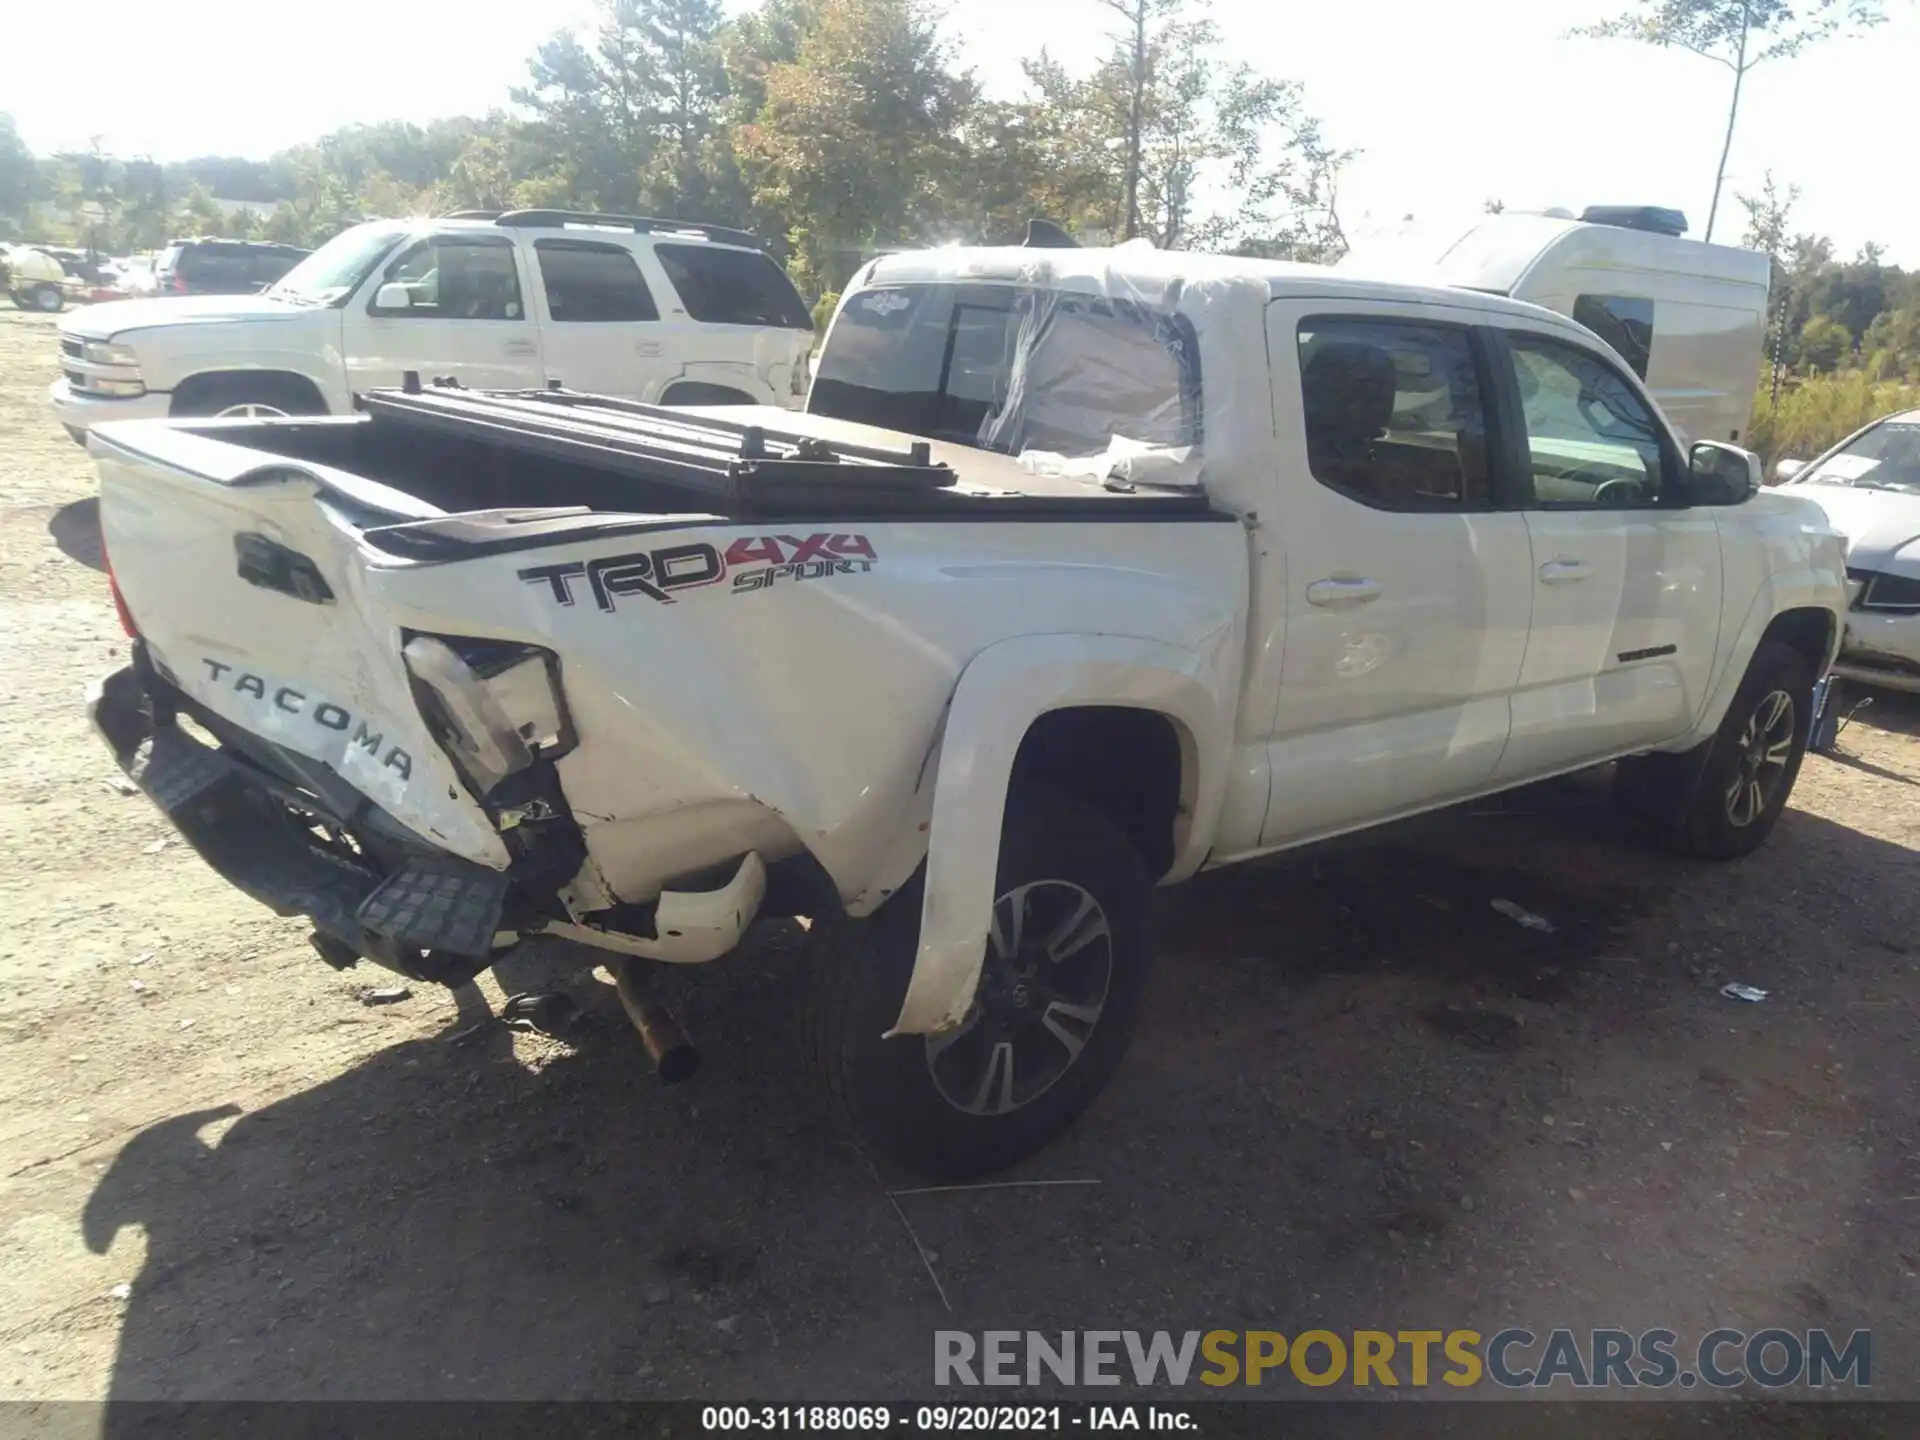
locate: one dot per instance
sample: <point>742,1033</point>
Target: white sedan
<point>1869,485</point>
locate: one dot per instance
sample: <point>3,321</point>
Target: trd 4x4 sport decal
<point>756,562</point>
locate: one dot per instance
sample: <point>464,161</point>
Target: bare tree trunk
<point>1733,115</point>
<point>1134,118</point>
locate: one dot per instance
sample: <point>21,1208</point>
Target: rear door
<point>599,321</point>
<point>1627,579</point>
<point>1407,586</point>
<point>464,315</point>
<point>736,319</point>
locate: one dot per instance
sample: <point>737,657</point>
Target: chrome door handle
<point>1343,592</point>
<point>522,347</point>
<point>1564,572</point>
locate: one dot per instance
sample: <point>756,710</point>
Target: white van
<point>1689,317</point>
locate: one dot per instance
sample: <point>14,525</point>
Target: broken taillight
<point>119,600</point>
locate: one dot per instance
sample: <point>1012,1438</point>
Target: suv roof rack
<point>639,224</point>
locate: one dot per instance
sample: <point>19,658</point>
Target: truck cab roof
<point>1162,277</point>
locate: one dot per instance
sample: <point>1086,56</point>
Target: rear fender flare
<point>1000,693</point>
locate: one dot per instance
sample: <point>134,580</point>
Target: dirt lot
<point>1361,1097</point>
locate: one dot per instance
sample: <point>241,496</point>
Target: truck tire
<point>1746,773</point>
<point>1057,1002</point>
<point>47,298</point>
<point>241,395</point>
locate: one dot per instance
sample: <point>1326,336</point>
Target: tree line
<point>834,128</point>
<point>840,128</point>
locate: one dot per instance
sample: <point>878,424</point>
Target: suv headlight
<point>105,352</point>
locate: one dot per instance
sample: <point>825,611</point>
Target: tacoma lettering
<point>325,714</point>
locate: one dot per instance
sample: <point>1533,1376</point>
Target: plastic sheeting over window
<point>1086,371</point>
<point>1081,363</point>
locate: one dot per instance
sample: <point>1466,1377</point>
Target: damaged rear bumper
<point>373,886</point>
<point>262,838</point>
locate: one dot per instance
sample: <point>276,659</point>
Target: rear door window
<point>589,281</point>
<point>218,267</point>
<point>1394,413</point>
<point>1012,370</point>
<point>719,286</point>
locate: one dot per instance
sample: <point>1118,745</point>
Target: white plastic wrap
<point>1127,365</point>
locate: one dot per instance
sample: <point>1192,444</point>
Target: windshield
<point>1011,370</point>
<point>1887,457</point>
<point>335,270</point>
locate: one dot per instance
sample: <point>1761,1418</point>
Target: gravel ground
<point>1360,1098</point>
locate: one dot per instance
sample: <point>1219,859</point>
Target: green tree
<point>1768,215</point>
<point>691,171</point>
<point>631,116</point>
<point>1171,140</point>
<point>1824,343</point>
<point>1892,343</point>
<point>19,176</point>
<point>199,214</point>
<point>144,217</point>
<point>1738,34</point>
<point>856,134</point>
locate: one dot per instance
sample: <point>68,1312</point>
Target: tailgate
<point>247,581</point>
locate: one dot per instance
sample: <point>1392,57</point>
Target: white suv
<point>653,310</point>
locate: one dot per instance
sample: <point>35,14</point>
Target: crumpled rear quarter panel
<point>796,705</point>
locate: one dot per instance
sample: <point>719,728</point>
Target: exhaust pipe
<point>673,1056</point>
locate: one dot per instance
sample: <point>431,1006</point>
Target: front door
<point>455,306</point>
<point>1626,604</point>
<point>1408,588</point>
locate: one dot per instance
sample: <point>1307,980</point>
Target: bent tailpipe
<point>667,1046</point>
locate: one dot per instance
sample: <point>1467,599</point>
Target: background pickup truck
<point>1084,570</point>
<point>655,310</point>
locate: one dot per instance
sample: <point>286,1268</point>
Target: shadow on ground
<point>1362,1096</point>
<point>75,528</point>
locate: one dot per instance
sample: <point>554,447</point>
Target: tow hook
<point>673,1056</point>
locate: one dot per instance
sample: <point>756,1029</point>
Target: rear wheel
<point>47,298</point>
<point>1058,996</point>
<point>1747,773</point>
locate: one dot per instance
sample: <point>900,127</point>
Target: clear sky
<point>1452,104</point>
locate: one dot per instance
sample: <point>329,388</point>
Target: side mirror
<point>393,296</point>
<point>1721,474</point>
<point>1784,470</point>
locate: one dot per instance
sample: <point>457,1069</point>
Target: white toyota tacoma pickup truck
<point>1083,571</point>
<point>655,310</point>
